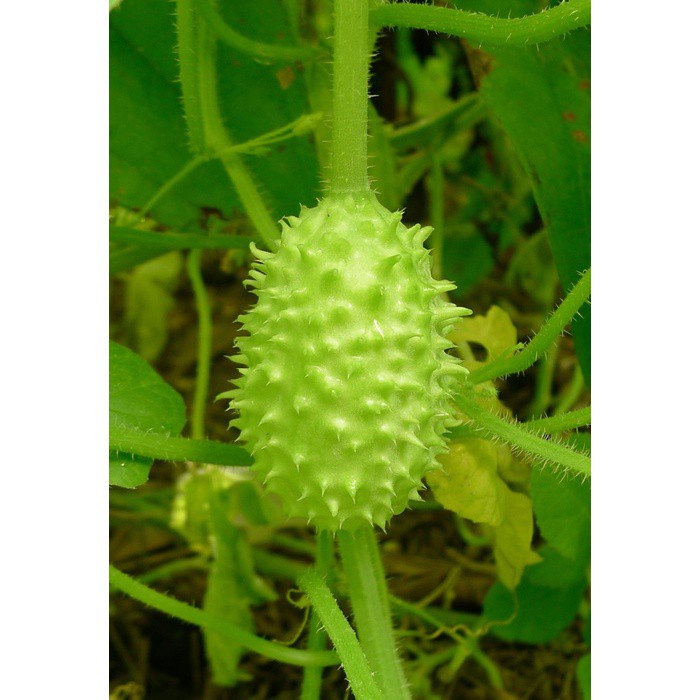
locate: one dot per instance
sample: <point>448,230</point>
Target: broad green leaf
<point>542,99</point>
<point>148,138</point>
<point>469,484</point>
<point>139,398</point>
<point>543,611</point>
<point>513,537</point>
<point>583,675</point>
<point>563,511</point>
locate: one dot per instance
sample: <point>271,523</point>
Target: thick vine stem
<point>313,676</point>
<point>348,162</point>
<point>197,57</point>
<point>370,605</point>
<point>357,669</point>
<point>195,616</point>
<point>484,29</point>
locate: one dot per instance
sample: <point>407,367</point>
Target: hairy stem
<point>552,329</point>
<point>436,185</point>
<point>256,49</point>
<point>484,29</point>
<point>465,112</point>
<point>559,423</point>
<point>195,616</point>
<point>570,394</point>
<point>348,162</point>
<point>204,326</point>
<point>197,58</point>
<point>298,127</point>
<point>357,669</point>
<point>522,438</point>
<point>176,449</point>
<point>370,605</point>
<point>313,677</point>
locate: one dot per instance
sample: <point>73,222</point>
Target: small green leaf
<point>139,398</point>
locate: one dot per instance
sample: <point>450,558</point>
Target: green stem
<point>357,669</point>
<point>351,46</point>
<point>370,604</point>
<point>469,644</point>
<point>167,241</point>
<point>204,324</point>
<point>256,49</point>
<point>175,180</point>
<point>543,382</point>
<point>195,616</point>
<point>465,112</point>
<point>313,677</point>
<point>298,127</point>
<point>437,213</point>
<point>560,422</point>
<point>176,449</point>
<point>293,544</point>
<point>197,59</point>
<point>277,566</point>
<point>570,395</point>
<point>552,329</point>
<point>484,29</point>
<point>525,440</point>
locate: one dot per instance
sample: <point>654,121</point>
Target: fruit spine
<point>345,383</point>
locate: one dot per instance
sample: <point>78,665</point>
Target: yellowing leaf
<point>513,537</point>
<point>470,486</point>
<point>494,331</point>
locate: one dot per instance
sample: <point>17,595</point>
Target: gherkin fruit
<point>346,382</point>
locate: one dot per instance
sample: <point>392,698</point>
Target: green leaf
<point>542,99</point>
<point>543,611</point>
<point>148,138</point>
<point>583,675</point>
<point>138,398</point>
<point>563,512</point>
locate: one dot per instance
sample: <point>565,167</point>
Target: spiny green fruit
<point>346,383</point>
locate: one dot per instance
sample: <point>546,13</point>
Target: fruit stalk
<point>348,162</point>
